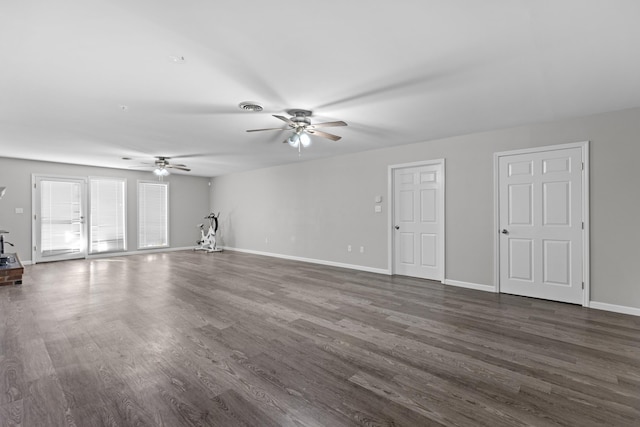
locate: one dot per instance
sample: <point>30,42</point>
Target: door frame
<point>390,212</point>
<point>35,203</point>
<point>584,146</point>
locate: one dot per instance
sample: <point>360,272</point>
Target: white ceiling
<point>396,72</point>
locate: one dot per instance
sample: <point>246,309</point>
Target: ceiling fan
<point>161,166</point>
<point>300,123</point>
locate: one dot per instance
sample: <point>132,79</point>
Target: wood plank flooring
<point>231,339</point>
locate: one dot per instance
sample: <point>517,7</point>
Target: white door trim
<point>584,146</point>
<point>390,218</point>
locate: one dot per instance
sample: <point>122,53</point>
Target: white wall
<point>315,209</point>
<point>188,201</point>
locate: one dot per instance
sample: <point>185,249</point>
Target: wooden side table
<point>11,272</point>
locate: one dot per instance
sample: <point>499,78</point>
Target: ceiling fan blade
<point>417,80</point>
<point>179,167</point>
<point>273,137</point>
<point>324,134</point>
<point>395,89</point>
<point>234,64</point>
<point>260,130</point>
<point>326,124</point>
<point>286,120</point>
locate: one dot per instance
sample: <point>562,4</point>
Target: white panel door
<point>59,218</point>
<point>541,224</point>
<point>418,226</point>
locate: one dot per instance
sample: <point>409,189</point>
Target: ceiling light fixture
<point>250,106</point>
<point>160,171</point>
<point>298,139</point>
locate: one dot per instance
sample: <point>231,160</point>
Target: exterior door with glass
<point>59,212</point>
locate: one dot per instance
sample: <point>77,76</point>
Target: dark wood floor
<point>231,339</point>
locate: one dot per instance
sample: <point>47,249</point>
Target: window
<point>107,215</point>
<point>153,214</point>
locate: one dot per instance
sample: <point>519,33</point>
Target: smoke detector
<point>177,59</point>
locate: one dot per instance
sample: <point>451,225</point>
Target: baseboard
<point>469,285</point>
<point>312,260</point>
<point>592,304</point>
<point>615,308</point>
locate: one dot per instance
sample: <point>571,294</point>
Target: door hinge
<point>35,248</point>
<point>582,285</point>
<point>583,225</point>
<point>34,185</point>
<point>582,165</point>
<point>34,216</point>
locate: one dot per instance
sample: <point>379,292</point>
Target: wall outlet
<point>266,240</point>
<point>361,249</point>
<point>377,209</point>
<point>348,248</point>
<point>19,210</point>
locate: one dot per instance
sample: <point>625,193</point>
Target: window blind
<point>107,215</point>
<point>61,217</point>
<point>153,214</point>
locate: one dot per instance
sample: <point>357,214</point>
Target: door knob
<point>397,227</point>
<point>505,231</point>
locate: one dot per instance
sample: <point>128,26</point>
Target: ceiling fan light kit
<point>160,171</point>
<point>298,139</point>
